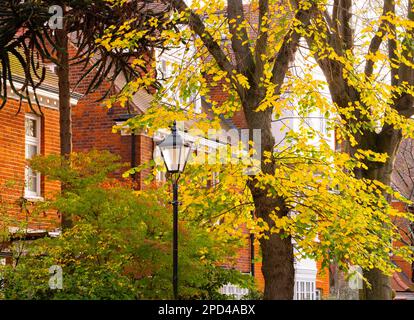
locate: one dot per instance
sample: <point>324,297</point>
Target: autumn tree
<point>365,54</point>
<point>304,190</point>
<point>119,246</point>
<point>253,63</point>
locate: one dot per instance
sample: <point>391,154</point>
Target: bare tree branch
<point>376,41</point>
<point>289,47</point>
<point>262,39</point>
<point>240,39</point>
<point>345,16</point>
<point>195,22</point>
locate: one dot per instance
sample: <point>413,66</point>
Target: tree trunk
<point>278,267</point>
<point>380,283</point>
<point>388,141</point>
<point>380,286</point>
<point>277,250</point>
<point>65,119</point>
<point>65,112</point>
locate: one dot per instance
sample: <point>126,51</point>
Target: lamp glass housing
<point>175,152</point>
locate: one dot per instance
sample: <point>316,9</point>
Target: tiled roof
<point>50,82</point>
<point>398,284</point>
<point>51,78</point>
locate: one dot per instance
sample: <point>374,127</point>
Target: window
<point>32,146</point>
<point>305,290</point>
<point>160,175</point>
<point>323,128</point>
<point>2,263</point>
<point>318,122</point>
<point>318,294</point>
<point>215,180</point>
<point>233,290</point>
<point>165,67</point>
<point>324,124</point>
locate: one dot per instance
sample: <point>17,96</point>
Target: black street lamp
<point>175,153</point>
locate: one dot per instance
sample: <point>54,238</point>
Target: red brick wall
<point>219,94</point>
<point>404,265</point>
<point>92,129</point>
<point>93,122</point>
<point>146,147</point>
<point>322,280</point>
<point>12,159</point>
<point>258,267</point>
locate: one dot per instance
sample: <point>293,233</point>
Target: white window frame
<point>305,290</point>
<point>318,294</point>
<point>305,278</point>
<point>164,63</point>
<point>160,174</point>
<point>230,289</point>
<point>215,178</point>
<point>34,142</point>
<point>323,125</point>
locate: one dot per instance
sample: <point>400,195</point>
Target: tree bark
<point>65,119</point>
<point>65,112</point>
<point>388,142</point>
<point>277,252</point>
<point>278,268</point>
<point>380,286</point>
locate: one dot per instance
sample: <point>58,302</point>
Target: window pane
<point>308,291</point>
<point>31,128</point>
<point>31,150</point>
<point>31,181</point>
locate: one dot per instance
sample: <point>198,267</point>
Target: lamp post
<point>175,153</point>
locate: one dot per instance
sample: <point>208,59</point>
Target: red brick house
<point>24,133</point>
